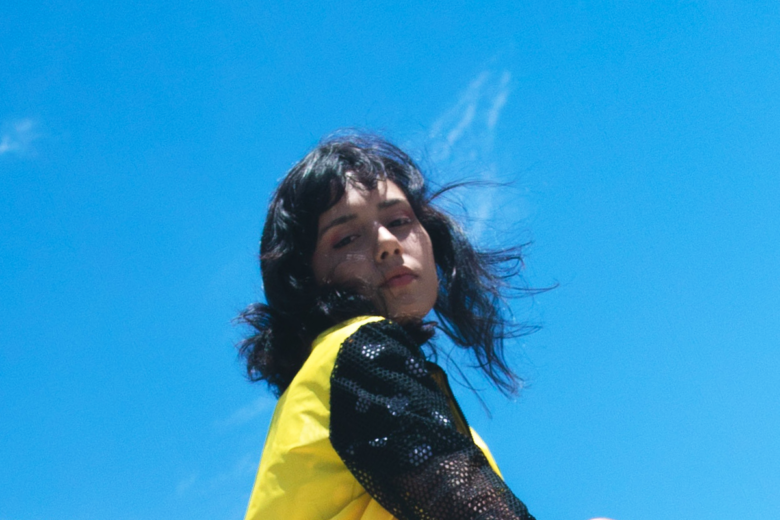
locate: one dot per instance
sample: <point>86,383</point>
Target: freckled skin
<point>377,243</point>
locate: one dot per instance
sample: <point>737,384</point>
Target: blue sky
<point>139,145</point>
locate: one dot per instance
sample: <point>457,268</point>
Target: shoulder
<point>378,350</point>
<point>338,334</point>
<point>370,351</point>
<point>378,338</point>
<point>326,346</point>
<point>372,339</point>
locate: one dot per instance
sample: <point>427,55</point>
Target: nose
<point>387,244</point>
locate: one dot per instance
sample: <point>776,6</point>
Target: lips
<point>399,277</point>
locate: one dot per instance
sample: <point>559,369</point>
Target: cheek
<point>341,268</point>
<point>424,250</point>
<point>320,266</point>
<point>354,267</point>
<point>428,263</point>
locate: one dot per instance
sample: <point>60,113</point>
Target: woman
<point>353,257</point>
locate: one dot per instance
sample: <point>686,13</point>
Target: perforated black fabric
<point>403,440</point>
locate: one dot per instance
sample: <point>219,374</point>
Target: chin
<point>408,314</point>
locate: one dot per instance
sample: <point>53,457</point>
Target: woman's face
<point>372,239</point>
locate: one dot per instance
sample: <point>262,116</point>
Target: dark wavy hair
<point>472,283</point>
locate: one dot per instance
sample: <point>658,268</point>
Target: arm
<point>396,432</point>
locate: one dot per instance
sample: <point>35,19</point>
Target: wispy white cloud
<point>466,130</point>
<point>17,136</point>
<point>243,467</point>
<point>186,484</point>
<point>499,100</point>
<point>241,470</point>
<point>247,413</point>
<point>463,139</point>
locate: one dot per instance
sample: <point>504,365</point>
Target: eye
<point>344,241</point>
<point>401,221</point>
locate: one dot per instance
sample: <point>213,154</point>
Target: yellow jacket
<point>360,390</point>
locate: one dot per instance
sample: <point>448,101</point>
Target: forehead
<point>356,197</point>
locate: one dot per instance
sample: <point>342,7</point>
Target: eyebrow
<point>352,216</point>
<point>337,222</point>
<point>389,202</point>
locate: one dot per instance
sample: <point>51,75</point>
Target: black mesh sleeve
<point>395,430</point>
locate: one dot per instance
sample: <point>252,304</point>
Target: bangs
<point>334,172</point>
